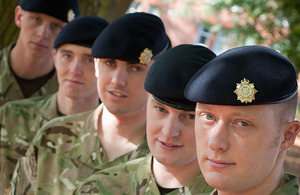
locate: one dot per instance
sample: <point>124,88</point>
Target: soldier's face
<point>37,31</point>
<point>75,71</point>
<point>121,85</point>
<point>170,135</point>
<point>237,146</point>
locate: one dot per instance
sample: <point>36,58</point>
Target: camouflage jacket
<point>68,150</point>
<point>9,88</point>
<point>19,122</point>
<point>291,186</point>
<point>134,177</point>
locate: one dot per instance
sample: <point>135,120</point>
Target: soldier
<point>21,119</point>
<point>26,67</point>
<point>74,147</point>
<point>170,134</point>
<point>246,104</point>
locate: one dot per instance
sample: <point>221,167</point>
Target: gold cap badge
<point>145,56</point>
<point>245,91</point>
<point>71,15</point>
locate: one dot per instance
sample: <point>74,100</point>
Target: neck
<point>127,131</point>
<point>68,106</point>
<point>29,66</point>
<point>170,177</point>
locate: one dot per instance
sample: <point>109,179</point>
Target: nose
<point>171,127</point>
<point>44,31</point>
<point>119,77</point>
<point>218,138</point>
<point>76,67</point>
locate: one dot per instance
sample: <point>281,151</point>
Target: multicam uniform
<point>9,87</point>
<point>19,122</point>
<point>135,177</point>
<point>68,150</point>
<point>291,186</point>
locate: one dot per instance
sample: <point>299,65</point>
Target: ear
<point>54,52</point>
<point>291,131</point>
<point>96,63</point>
<point>19,12</point>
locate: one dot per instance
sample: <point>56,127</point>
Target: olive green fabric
<point>9,88</point>
<point>19,122</point>
<point>134,177</point>
<point>68,150</point>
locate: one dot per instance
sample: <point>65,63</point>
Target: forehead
<point>73,48</point>
<point>44,16</point>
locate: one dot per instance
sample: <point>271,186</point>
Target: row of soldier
<point>215,124</point>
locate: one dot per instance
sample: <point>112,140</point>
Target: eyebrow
<point>127,63</point>
<point>70,51</point>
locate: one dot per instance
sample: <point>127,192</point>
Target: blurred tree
<point>275,23</point>
<point>108,9</point>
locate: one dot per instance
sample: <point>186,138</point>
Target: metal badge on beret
<point>145,56</point>
<point>71,15</point>
<point>245,91</point>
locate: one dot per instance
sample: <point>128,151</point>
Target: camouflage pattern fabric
<point>291,186</point>
<point>134,177</point>
<point>19,122</point>
<point>68,150</point>
<point>9,88</point>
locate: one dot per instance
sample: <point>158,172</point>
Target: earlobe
<point>290,134</point>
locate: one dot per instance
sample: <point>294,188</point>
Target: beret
<point>248,75</point>
<point>65,10</point>
<point>130,37</point>
<point>83,30</point>
<point>170,73</point>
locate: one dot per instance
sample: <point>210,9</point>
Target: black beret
<point>83,30</point>
<point>131,35</point>
<point>65,10</point>
<point>170,73</point>
<point>249,75</point>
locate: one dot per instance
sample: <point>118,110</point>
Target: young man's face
<point>237,146</point>
<point>37,31</point>
<point>170,134</point>
<point>75,71</point>
<point>121,85</point>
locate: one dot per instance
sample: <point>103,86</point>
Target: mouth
<point>170,145</point>
<point>118,94</point>
<point>74,81</point>
<point>40,45</point>
<point>219,163</point>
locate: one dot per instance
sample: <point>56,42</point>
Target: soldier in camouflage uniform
<point>69,149</point>
<point>21,119</point>
<point>245,121</point>
<point>26,67</point>
<point>172,166</point>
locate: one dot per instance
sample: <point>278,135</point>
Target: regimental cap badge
<point>71,15</point>
<point>145,56</point>
<point>245,91</point>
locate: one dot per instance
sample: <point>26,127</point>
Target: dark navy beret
<point>170,73</point>
<point>83,30</point>
<point>134,37</point>
<point>249,75</point>
<point>65,10</point>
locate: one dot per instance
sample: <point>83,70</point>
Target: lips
<point>40,45</point>
<point>219,163</point>
<point>118,93</point>
<point>169,145</point>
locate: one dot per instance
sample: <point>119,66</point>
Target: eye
<point>209,117</point>
<point>67,56</point>
<point>137,69</point>
<point>55,26</point>
<point>37,19</point>
<point>243,123</point>
<point>109,63</point>
<point>191,116</point>
<point>160,109</point>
